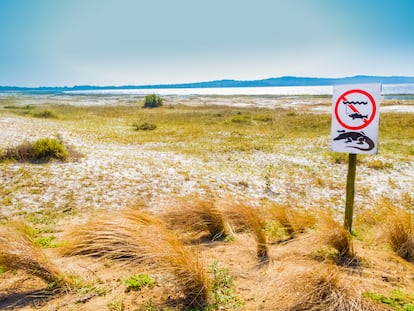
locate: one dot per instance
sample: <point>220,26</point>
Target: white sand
<point>114,175</point>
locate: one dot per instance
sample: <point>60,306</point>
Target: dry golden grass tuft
<point>390,224</point>
<point>398,230</point>
<point>18,251</point>
<point>293,221</point>
<point>109,236</point>
<point>194,215</point>
<point>135,237</point>
<point>333,235</point>
<point>320,287</point>
<point>245,217</point>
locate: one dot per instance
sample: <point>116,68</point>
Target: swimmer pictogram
<point>349,115</point>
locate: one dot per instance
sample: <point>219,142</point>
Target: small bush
<point>22,152</point>
<point>49,148</point>
<point>241,119</point>
<point>263,118</point>
<point>152,101</point>
<point>27,107</point>
<point>43,149</point>
<point>146,126</point>
<point>45,114</point>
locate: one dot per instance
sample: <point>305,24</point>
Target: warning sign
<point>355,118</point>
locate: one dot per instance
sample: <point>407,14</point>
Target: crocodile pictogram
<point>359,137</point>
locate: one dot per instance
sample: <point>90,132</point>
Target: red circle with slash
<point>365,121</point>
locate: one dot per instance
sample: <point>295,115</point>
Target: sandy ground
<point>114,175</point>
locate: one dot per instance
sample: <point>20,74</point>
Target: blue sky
<point>118,42</point>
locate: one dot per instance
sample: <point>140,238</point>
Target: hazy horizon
<point>254,83</point>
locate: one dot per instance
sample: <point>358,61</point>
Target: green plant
<point>47,242</point>
<point>222,289</point>
<point>152,101</point>
<point>48,148</point>
<point>397,300</point>
<point>45,114</point>
<point>43,149</point>
<point>18,107</point>
<point>150,305</point>
<point>269,173</point>
<point>241,118</point>
<point>263,118</point>
<point>87,290</point>
<point>116,306</point>
<point>139,281</point>
<point>146,126</point>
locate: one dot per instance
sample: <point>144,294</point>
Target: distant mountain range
<point>281,81</point>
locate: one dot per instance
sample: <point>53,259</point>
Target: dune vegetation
<point>105,205</point>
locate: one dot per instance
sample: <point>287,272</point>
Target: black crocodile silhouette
<point>359,137</point>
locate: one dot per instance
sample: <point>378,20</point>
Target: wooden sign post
<point>355,120</point>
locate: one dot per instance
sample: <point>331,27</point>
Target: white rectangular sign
<point>355,118</point>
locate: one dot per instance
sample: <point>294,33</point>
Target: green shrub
<point>152,101</point>
<point>43,149</point>
<point>146,126</point>
<point>241,118</point>
<point>263,118</point>
<point>45,114</point>
<point>49,148</point>
<point>18,107</point>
